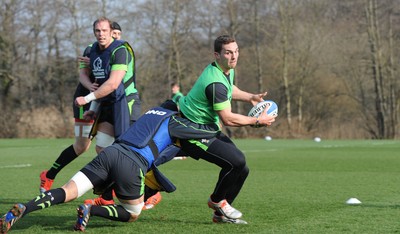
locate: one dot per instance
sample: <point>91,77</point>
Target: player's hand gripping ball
<point>269,106</point>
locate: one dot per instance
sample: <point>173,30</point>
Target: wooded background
<point>331,65</point>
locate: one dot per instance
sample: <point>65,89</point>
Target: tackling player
<point>82,126</point>
<point>121,167</point>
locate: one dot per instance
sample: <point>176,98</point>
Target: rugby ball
<point>269,106</point>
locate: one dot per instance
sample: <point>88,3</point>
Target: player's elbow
<point>228,123</point>
<point>114,86</point>
<point>227,118</point>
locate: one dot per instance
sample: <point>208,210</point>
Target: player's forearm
<point>110,85</point>
<point>238,120</point>
<point>104,90</point>
<point>240,95</point>
<point>84,78</point>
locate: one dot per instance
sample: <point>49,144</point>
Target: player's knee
<point>245,171</point>
<point>134,210</point>
<point>81,147</point>
<point>98,149</point>
<point>239,161</point>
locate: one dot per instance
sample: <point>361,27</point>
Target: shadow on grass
<point>44,221</point>
<point>169,220</point>
<point>382,206</point>
<point>12,201</point>
<point>66,223</point>
<point>58,223</point>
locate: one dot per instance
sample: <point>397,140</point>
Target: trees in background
<point>382,69</point>
<point>332,66</point>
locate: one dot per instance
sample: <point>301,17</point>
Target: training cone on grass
<point>353,201</point>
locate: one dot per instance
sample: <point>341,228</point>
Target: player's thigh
<point>132,201</point>
<point>221,152</point>
<point>106,127</point>
<point>129,179</point>
<point>104,136</point>
<point>226,152</point>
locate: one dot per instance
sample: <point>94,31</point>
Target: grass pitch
<point>294,186</point>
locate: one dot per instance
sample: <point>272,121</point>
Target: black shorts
<point>115,168</point>
<point>106,113</point>
<point>78,111</point>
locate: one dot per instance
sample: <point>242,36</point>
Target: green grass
<point>294,186</point>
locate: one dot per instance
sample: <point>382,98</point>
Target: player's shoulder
<point>120,46</point>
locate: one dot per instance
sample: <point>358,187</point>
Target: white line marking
<point>16,166</point>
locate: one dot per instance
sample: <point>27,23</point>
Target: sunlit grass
<point>294,186</point>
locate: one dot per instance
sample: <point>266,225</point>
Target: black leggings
<point>223,153</point>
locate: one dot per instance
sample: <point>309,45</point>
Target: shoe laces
<point>225,206</point>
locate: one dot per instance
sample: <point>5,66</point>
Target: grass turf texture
<point>294,186</point>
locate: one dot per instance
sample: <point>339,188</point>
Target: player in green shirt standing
<point>176,92</point>
<point>209,102</point>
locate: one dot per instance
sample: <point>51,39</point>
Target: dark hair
<point>115,26</point>
<point>170,105</point>
<point>222,40</point>
<point>100,20</point>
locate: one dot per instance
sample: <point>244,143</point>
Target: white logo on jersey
<point>206,141</point>
<point>98,72</point>
<point>155,112</point>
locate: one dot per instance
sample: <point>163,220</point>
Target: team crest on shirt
<point>98,71</point>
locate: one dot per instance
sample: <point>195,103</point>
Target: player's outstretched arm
<point>240,95</point>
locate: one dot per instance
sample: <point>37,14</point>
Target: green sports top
<point>129,79</point>
<point>196,107</point>
<point>175,97</point>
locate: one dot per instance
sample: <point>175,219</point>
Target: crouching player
<point>140,149</point>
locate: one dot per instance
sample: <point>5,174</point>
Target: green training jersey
<point>195,105</point>
<point>130,76</point>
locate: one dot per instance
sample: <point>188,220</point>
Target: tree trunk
<point>374,43</point>
<point>285,27</point>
